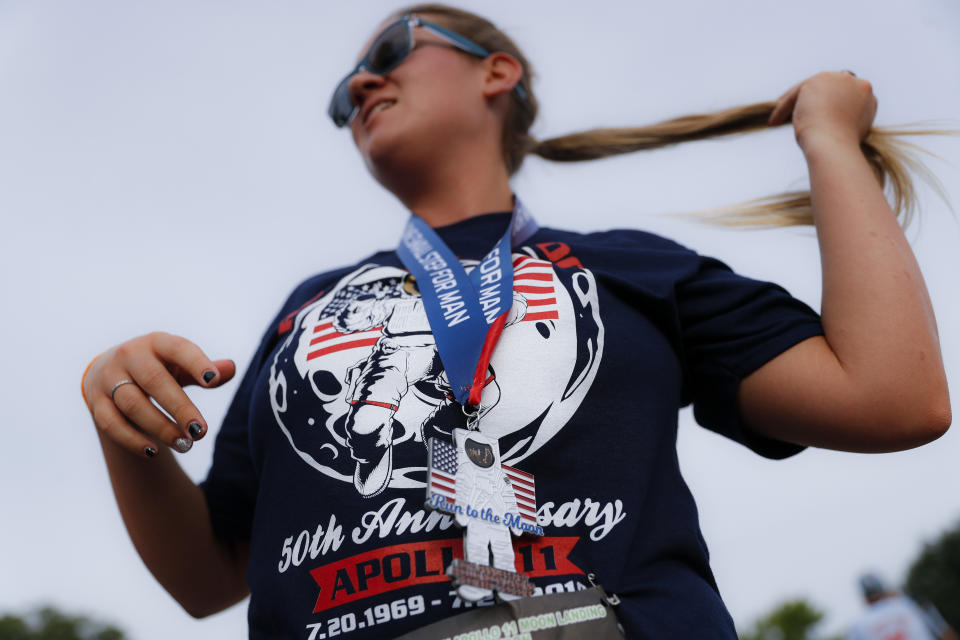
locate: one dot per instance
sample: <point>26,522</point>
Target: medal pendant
<point>492,502</point>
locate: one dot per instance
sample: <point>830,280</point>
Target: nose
<point>362,83</point>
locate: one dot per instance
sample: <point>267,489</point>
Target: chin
<point>379,152</point>
<point>389,157</point>
<point>382,145</point>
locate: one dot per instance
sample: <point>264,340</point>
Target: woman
<point>316,495</point>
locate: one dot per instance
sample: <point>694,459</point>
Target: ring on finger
<point>119,384</point>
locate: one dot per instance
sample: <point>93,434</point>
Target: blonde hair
<point>891,158</point>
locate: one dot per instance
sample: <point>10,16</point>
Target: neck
<point>453,191</point>
<point>453,202</point>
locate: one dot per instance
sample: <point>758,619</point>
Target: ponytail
<point>889,156</point>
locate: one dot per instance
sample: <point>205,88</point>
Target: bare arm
<point>875,382</point>
<point>164,511</point>
<point>166,516</point>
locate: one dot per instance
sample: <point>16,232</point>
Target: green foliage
<point>49,623</point>
<point>13,628</point>
<point>934,576</point>
<point>793,620</point>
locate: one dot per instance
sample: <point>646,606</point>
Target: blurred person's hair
<point>889,156</point>
<point>872,586</point>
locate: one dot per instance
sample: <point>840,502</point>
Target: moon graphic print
<point>357,386</point>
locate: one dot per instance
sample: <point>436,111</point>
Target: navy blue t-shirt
<point>610,334</point>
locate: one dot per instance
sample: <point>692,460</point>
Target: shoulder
<point>628,239</point>
<point>611,246</point>
<point>624,254</point>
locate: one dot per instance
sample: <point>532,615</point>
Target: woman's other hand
<point>159,365</point>
<point>836,104</point>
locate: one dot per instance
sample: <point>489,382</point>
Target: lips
<point>370,108</point>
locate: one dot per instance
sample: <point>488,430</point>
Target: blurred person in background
<point>894,616</point>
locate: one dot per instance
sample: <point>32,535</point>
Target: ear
<point>501,72</point>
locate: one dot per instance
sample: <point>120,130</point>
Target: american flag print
<point>326,339</point>
<point>525,493</point>
<point>534,279</point>
<point>442,471</point>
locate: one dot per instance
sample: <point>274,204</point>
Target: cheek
<point>449,111</point>
<point>445,91</point>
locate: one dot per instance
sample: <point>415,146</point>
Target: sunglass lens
<point>389,49</point>
<point>386,52</point>
<point>341,105</point>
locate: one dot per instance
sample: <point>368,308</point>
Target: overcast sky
<point>169,166</point>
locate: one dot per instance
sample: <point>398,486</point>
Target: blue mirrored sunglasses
<point>392,47</point>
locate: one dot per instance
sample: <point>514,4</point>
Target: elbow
<point>936,412</point>
<point>197,613</point>
<point>199,610</point>
<point>922,421</point>
<point>218,586</point>
<point>201,605</point>
<point>938,420</point>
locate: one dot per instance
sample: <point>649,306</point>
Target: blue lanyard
<point>467,313</point>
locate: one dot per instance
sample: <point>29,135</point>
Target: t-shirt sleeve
<point>730,326</point>
<point>231,484</point>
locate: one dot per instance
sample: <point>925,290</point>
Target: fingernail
<point>209,375</point>
<point>150,451</point>
<point>194,429</point>
<point>183,444</point>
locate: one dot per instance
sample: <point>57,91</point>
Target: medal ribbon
<point>467,313</point>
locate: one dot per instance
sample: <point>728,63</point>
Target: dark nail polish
<point>150,451</point>
<point>194,430</point>
<point>208,376</point>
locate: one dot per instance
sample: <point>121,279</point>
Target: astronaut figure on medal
<point>485,503</point>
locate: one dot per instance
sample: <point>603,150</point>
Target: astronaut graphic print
<point>357,387</point>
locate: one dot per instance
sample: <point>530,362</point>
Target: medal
<point>467,479</point>
<point>491,501</point>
